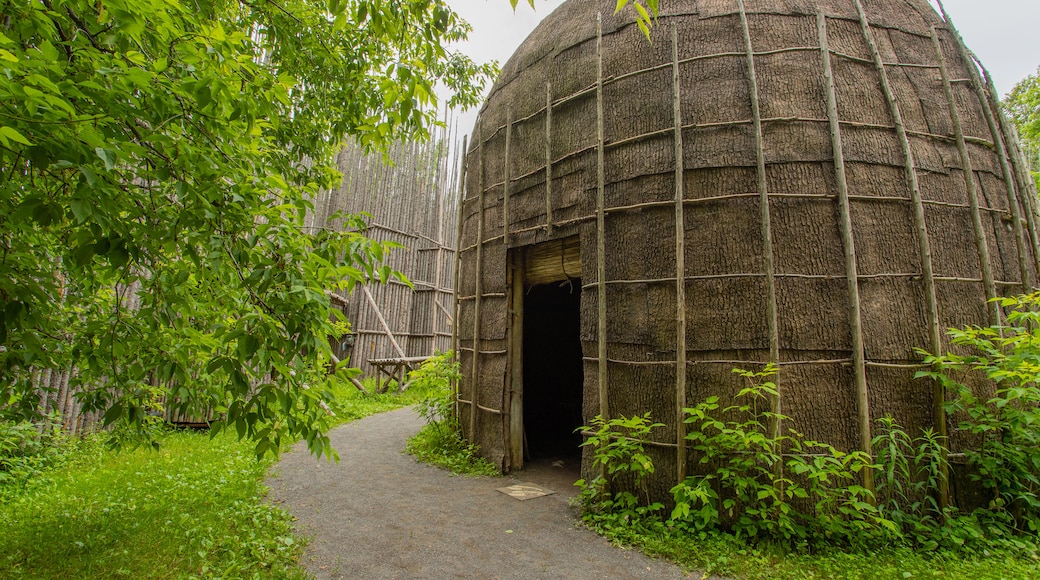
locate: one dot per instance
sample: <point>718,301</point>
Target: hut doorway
<point>547,375</point>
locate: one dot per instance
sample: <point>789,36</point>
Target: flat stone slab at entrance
<point>525,491</point>
<point>380,514</point>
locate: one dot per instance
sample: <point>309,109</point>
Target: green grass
<point>351,404</point>
<point>439,445</point>
<point>723,554</point>
<point>193,509</point>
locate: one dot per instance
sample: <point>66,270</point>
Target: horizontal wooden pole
<point>481,407</point>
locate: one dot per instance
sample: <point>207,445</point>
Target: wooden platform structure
<point>394,369</point>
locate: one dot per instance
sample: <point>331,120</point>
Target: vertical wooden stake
<point>767,230</point>
<point>438,266</point>
<point>851,269</point>
<point>514,422</point>
<point>1005,169</point>
<point>1019,168</point>
<point>478,292</point>
<point>601,245</point>
<point>992,308</point>
<point>680,270</point>
<point>460,197</point>
<point>508,178</point>
<point>548,159</point>
<point>924,245</point>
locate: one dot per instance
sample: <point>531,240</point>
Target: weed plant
<point>617,452</point>
<point>439,442</point>
<point>28,449</point>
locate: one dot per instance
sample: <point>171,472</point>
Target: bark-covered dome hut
<point>832,180</point>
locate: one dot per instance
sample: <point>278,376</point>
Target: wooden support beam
<point>680,270</point>
<point>514,423</point>
<point>849,245</point>
<point>382,321</point>
<point>1021,243</point>
<point>506,181</point>
<point>548,159</point>
<point>601,246</point>
<point>766,224</point>
<point>461,194</point>
<point>478,293</point>
<point>992,308</point>
<point>924,245</point>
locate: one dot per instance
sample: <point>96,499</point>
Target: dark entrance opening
<point>553,373</point>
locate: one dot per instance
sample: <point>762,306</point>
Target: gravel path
<point>380,514</point>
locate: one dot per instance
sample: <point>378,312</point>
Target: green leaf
<point>109,156</point>
<point>113,413</point>
<point>83,254</point>
<point>88,174</point>
<point>10,133</point>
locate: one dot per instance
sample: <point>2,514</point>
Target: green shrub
<point>806,495</point>
<point>1006,422</point>
<point>26,449</point>
<point>784,488</point>
<point>765,506</point>
<point>619,453</point>
<point>440,442</point>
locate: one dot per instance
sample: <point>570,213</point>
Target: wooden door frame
<point>514,379</point>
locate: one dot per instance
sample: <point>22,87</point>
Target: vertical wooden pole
<point>924,245</point>
<point>512,364</point>
<point>680,270</point>
<point>1026,186</point>
<point>1002,153</point>
<point>851,269</point>
<point>548,159</point>
<point>601,245</point>
<point>992,308</point>
<point>440,195</point>
<point>460,197</point>
<point>766,225</point>
<point>506,180</point>
<point>514,423</point>
<point>478,292</point>
<point>1021,243</point>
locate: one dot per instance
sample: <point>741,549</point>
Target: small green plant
<point>440,442</point>
<point>619,452</point>
<point>783,487</point>
<point>770,504</point>
<point>1005,420</point>
<point>27,449</point>
<point>910,476</point>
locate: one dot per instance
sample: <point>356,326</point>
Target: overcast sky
<point>1005,34</point>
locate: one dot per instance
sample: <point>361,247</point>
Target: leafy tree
<point>1023,107</point>
<point>156,161</point>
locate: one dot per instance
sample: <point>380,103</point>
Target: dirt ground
<point>380,514</point>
